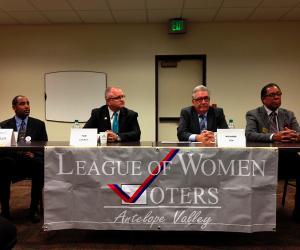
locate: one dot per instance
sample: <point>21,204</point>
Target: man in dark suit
<point>199,121</point>
<point>17,165</point>
<point>120,123</point>
<point>270,123</point>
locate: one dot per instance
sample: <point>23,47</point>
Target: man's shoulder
<point>286,111</point>
<point>100,110</point>
<point>188,109</point>
<point>216,109</point>
<point>6,123</point>
<point>128,111</point>
<point>35,120</point>
<point>256,110</point>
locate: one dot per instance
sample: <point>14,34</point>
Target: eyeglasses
<point>274,94</point>
<point>117,97</point>
<point>201,99</point>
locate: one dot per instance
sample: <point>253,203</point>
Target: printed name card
<point>7,138</point>
<point>231,138</point>
<point>83,137</point>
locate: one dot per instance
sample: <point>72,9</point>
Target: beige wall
<point>241,57</point>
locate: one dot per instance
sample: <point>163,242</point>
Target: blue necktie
<point>22,132</point>
<point>202,123</point>
<point>115,125</point>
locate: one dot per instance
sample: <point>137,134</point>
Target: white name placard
<point>231,138</point>
<point>7,137</point>
<point>83,137</point>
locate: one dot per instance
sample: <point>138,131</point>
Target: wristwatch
<point>118,138</point>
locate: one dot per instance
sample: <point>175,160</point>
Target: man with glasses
<point>270,123</point>
<point>120,123</point>
<point>199,121</point>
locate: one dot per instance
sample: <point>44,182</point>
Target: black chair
<point>287,182</point>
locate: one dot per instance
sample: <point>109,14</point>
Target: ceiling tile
<point>29,17</point>
<point>51,5</point>
<point>279,3</point>
<point>15,5</point>
<point>166,4</point>
<point>89,4</point>
<point>293,15</point>
<point>268,14</point>
<point>241,3</point>
<point>199,15</point>
<point>127,4</point>
<point>130,16</point>
<point>163,16</point>
<point>191,4</point>
<point>6,19</point>
<point>62,16</point>
<point>96,16</point>
<point>233,14</point>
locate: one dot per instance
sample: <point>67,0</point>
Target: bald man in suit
<point>120,123</point>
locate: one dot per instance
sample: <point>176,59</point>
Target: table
<point>58,206</point>
<point>160,187</point>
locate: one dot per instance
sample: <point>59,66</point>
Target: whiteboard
<point>71,95</point>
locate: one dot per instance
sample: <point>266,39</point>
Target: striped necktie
<point>202,123</point>
<point>273,122</point>
<point>115,125</point>
<point>22,132</point>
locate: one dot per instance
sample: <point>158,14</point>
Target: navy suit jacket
<point>258,124</point>
<point>189,122</point>
<point>129,129</point>
<point>35,128</point>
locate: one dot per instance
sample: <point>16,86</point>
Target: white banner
<point>205,189</point>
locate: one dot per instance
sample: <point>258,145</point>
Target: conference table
<point>160,186</point>
<point>292,147</point>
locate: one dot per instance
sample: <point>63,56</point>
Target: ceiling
<point>145,11</point>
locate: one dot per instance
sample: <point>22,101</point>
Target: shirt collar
<point>269,111</point>
<point>204,115</point>
<point>19,120</point>
<point>111,113</point>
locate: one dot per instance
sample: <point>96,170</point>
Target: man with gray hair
<point>199,121</point>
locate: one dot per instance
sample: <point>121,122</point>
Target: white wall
<point>241,58</point>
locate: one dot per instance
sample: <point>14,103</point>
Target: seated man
<point>120,123</point>
<point>270,123</point>
<point>199,121</point>
<point>16,165</point>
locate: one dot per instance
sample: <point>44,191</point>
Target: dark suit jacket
<point>258,125</point>
<point>36,129</point>
<point>189,122</point>
<point>129,129</point>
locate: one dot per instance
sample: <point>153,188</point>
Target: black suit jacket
<point>36,129</point>
<point>189,122</point>
<point>129,129</point>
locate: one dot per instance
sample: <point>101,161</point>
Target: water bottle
<point>230,123</point>
<point>76,124</point>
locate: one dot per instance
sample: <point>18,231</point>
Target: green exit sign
<point>177,26</point>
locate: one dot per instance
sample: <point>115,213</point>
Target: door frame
<point>159,58</point>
